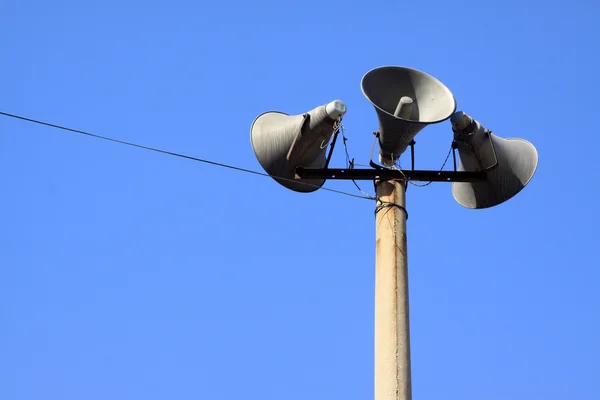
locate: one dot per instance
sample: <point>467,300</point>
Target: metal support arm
<point>372,174</point>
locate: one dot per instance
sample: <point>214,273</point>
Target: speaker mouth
<point>252,131</point>
<point>385,86</point>
<point>281,172</point>
<point>518,162</point>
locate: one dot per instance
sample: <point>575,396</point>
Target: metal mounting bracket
<point>381,172</point>
<point>367,174</point>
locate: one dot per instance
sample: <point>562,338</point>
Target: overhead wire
<point>154,149</point>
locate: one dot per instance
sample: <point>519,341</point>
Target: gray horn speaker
<point>282,142</point>
<point>406,101</point>
<point>510,163</point>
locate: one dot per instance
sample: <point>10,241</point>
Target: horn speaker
<point>510,163</point>
<point>406,100</point>
<point>282,142</point>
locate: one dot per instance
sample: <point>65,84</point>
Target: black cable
<point>176,154</point>
<point>441,169</point>
<point>386,204</point>
<point>350,164</point>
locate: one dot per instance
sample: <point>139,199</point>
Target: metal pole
<point>392,333</point>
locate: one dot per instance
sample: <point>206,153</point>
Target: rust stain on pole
<point>392,333</point>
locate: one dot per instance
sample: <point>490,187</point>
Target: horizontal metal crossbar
<point>371,174</point>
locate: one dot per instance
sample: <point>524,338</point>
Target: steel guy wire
<point>201,160</point>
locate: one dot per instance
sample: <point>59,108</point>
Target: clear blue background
<point>127,274</point>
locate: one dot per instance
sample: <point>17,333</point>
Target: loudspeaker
<point>406,100</point>
<point>510,163</point>
<point>282,142</point>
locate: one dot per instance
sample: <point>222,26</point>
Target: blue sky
<point>127,274</point>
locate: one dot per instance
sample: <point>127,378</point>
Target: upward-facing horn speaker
<point>406,101</point>
<point>510,163</point>
<point>282,142</point>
